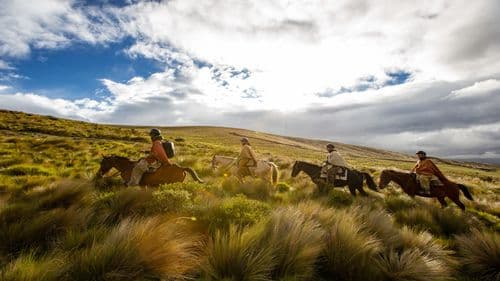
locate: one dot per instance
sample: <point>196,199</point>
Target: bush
<point>339,198</point>
<point>237,210</point>
<point>480,254</point>
<point>235,255</point>
<point>253,188</point>
<point>168,201</point>
<point>283,187</point>
<point>398,203</point>
<point>26,170</point>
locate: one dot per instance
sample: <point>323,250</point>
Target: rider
<point>427,172</point>
<point>246,159</point>
<point>333,161</point>
<point>155,159</point>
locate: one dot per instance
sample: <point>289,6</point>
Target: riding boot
<point>139,169</point>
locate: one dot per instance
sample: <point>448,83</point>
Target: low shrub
<point>396,203</point>
<point>283,187</point>
<point>237,210</point>
<point>338,198</point>
<point>169,201</point>
<point>26,170</point>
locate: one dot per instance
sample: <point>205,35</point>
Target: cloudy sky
<point>401,75</point>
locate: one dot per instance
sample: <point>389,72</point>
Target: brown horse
<point>411,187</point>
<point>164,174</point>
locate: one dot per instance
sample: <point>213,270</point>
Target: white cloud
<point>284,66</point>
<point>50,24</point>
<point>487,87</point>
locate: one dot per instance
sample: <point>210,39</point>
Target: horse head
<point>214,162</point>
<point>296,169</point>
<point>106,164</point>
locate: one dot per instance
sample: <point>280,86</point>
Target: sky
<point>398,75</point>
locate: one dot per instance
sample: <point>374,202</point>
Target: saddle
<point>434,183</point>
<point>337,173</point>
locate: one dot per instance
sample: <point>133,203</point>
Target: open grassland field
<point>57,223</point>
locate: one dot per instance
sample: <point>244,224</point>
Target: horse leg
<point>442,201</point>
<point>457,201</point>
<point>352,189</point>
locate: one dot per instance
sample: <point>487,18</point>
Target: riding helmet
<point>421,152</point>
<point>154,132</point>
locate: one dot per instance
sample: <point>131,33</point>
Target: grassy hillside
<point>56,223</point>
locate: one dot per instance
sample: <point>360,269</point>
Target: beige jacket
<point>334,158</point>
<point>247,153</point>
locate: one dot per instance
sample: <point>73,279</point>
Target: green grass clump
<point>338,198</point>
<point>237,210</point>
<point>111,208</point>
<point>396,203</point>
<point>252,188</point>
<point>26,170</point>
<point>480,254</point>
<point>169,201</point>
<point>420,219</point>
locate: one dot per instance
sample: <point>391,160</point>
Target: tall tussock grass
<point>411,265</point>
<point>349,253</point>
<point>296,242</point>
<point>30,268</point>
<point>138,250</point>
<point>111,208</point>
<point>234,255</point>
<point>480,254</point>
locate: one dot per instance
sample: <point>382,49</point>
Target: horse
<point>410,186</point>
<point>267,171</point>
<point>354,178</point>
<point>164,174</point>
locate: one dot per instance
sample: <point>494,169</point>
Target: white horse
<point>265,170</point>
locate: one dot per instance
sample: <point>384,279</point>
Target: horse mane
<point>117,157</point>
<point>308,164</point>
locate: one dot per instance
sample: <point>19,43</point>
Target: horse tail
<point>275,172</point>
<point>193,174</point>
<point>369,181</point>
<point>466,192</point>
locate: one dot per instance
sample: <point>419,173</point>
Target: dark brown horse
<point>411,187</point>
<point>164,174</point>
<point>354,178</point>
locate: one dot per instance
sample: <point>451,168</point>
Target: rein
<point>224,168</point>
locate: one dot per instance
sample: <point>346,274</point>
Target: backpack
<point>169,148</point>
